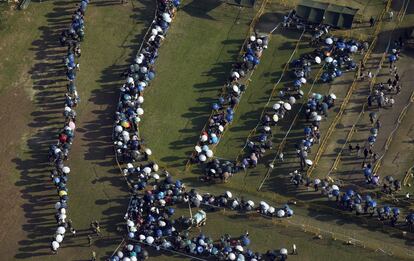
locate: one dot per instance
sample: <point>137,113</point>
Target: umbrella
<point>118,129</point>
<point>317,181</point>
<point>140,111</point>
<point>154,31</point>
<point>284,251</point>
<point>148,151</point>
<point>353,49</point>
<point>333,96</point>
<point>209,153</point>
<point>318,118</point>
<point>55,245</point>
<point>292,100</point>
<point>318,59</point>
<point>328,59</point>
<point>72,125</point>
<point>149,240</point>
<point>329,41</point>
<point>239,248</point>
<point>59,238</point>
<point>275,118</point>
<point>250,203</point>
<point>303,80</point>
<point>276,106</point>
<point>62,193</point>
<point>140,100</point>
<point>232,256</point>
<point>392,58</point>
<point>125,124</point>
<point>308,162</point>
<point>61,230</point>
<point>374,131</point>
<point>147,170</point>
<point>350,192</point>
<point>66,170</point>
<point>235,88</point>
<point>367,172</point>
<point>197,148</point>
<point>204,138</point>
<point>287,106</point>
<point>335,187</point>
<point>280,213</point>
<point>166,16</point>
<point>202,157</point>
<point>235,74</point>
<point>58,205</point>
<point>252,38</point>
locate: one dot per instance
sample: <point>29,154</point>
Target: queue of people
<point>150,221</point>
<point>59,152</point>
<point>223,111</point>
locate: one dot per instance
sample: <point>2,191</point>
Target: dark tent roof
<point>245,3</point>
<point>334,15</point>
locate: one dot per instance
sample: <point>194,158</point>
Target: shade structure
<point>325,13</point>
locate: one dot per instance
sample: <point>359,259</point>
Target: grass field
<point>194,61</point>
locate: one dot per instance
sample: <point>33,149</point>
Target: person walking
<point>89,240</point>
<point>358,150</point>
<point>371,21</point>
<point>390,15</point>
<point>378,124</point>
<point>93,256</point>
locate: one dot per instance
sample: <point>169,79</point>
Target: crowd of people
<point>223,111</point>
<point>59,152</point>
<point>349,200</point>
<point>150,221</point>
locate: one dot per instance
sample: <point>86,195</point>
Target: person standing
<point>89,240</point>
<point>358,150</point>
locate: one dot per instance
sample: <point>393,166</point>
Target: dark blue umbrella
<point>229,117</point>
<point>216,106</point>
<point>151,75</point>
<point>307,130</point>
<point>245,241</point>
<point>392,58</point>
<point>350,192</point>
<point>367,172</point>
<point>396,211</point>
<point>372,203</point>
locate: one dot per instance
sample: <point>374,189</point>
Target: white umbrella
<point>252,38</point>
<point>308,162</point>
<point>250,203</point>
<point>133,258</point>
<point>228,194</point>
<point>148,151</point>
<point>329,41</point>
<point>199,197</point>
<point>280,213</point>
<point>59,238</point>
<point>197,149</point>
<point>156,176</point>
<point>266,128</point>
<point>235,74</point>
<point>276,106</point>
<point>118,129</point>
<point>333,96</point>
<point>283,251</point>
<point>275,118</point>
<point>141,237</point>
<point>239,248</point>
<point>154,31</point>
<point>292,100</point>
<point>63,211</point>
<point>232,256</point>
<point>144,69</point>
<point>130,80</point>
<point>318,118</point>
<point>317,181</point>
<point>147,170</point>
<point>354,49</point>
<point>139,60</point>
<point>126,259</point>
<point>202,157</point>
<point>209,153</point>
<point>235,88</point>
<point>328,59</point>
<point>259,41</point>
<point>149,240</point>
<point>120,254</point>
<point>61,230</point>
<point>130,223</point>
<point>140,111</point>
<point>66,169</point>
<point>155,167</point>
<point>165,16</point>
<point>130,247</point>
<point>140,99</point>
<point>57,205</point>
<point>287,106</point>
<point>318,59</point>
<point>55,245</point>
<point>162,223</point>
<point>303,80</point>
<point>271,210</point>
<point>335,187</point>
<point>221,128</point>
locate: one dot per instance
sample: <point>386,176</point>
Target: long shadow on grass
<point>49,85</point>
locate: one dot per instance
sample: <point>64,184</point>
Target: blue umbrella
<point>137,248</point>
<point>131,235</point>
<point>214,140</point>
<point>178,183</point>
<point>392,58</point>
<point>307,130</point>
<point>396,211</point>
<point>297,83</point>
<point>338,73</point>
<point>230,111</point>
<point>335,193</point>
<point>200,249</point>
<point>176,3</point>
<point>372,139</point>
<point>350,192</point>
<point>249,57</point>
<point>368,198</point>
<point>229,117</point>
<point>245,241</point>
<point>221,100</point>
<point>340,45</point>
<point>345,198</point>
<point>372,203</point>
<point>256,61</point>
<point>367,172</point>
<point>151,75</point>
<point>387,209</point>
<point>158,233</point>
<point>216,106</point>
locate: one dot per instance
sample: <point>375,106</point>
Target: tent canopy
<point>334,15</point>
<point>244,3</point>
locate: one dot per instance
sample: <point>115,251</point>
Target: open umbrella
<point>283,251</point>
<point>318,59</point>
<point>209,153</point>
<point>147,170</point>
<point>149,240</point>
<point>140,100</point>
<point>276,106</point>
<point>61,230</point>
<point>55,245</point>
<point>59,238</point>
<point>303,80</point>
<point>287,106</point>
<point>140,111</point>
<point>197,149</point>
<point>333,96</point>
<point>280,213</point>
<point>353,49</point>
<point>308,162</point>
<point>202,157</point>
<point>72,125</point>
<point>292,100</point>
<point>275,118</point>
<point>318,118</point>
<point>335,187</point>
<point>329,41</point>
<point>328,59</point>
<point>66,170</point>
